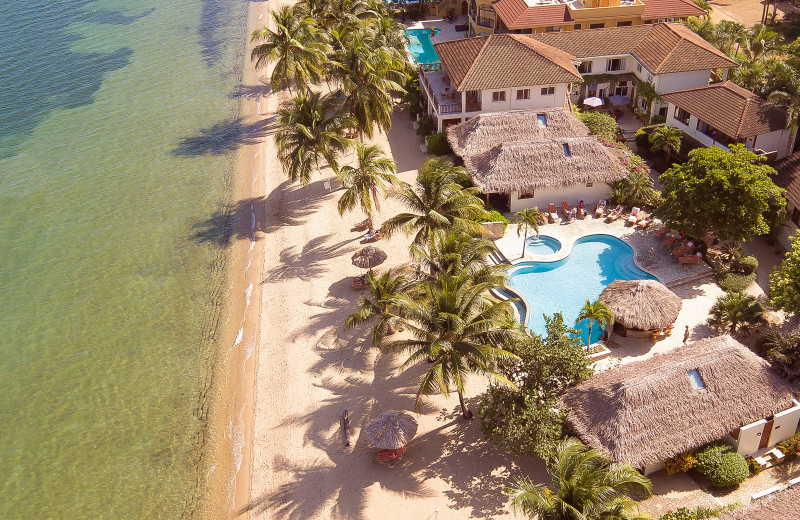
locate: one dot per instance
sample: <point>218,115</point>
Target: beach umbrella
<point>391,430</point>
<point>620,100</point>
<point>593,102</point>
<point>642,304</point>
<point>368,257</point>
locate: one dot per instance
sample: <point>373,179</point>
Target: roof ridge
<point>472,65</point>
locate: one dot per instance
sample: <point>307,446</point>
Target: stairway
<point>704,277</point>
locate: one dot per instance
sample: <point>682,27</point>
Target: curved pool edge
<point>564,252</point>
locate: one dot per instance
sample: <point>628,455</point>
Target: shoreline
<point>228,479</point>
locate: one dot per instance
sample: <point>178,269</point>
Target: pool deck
<point>695,284</point>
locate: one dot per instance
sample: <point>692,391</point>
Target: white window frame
<point>499,96</point>
<point>546,91</point>
<point>523,94</point>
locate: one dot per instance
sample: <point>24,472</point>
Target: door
<point>765,434</point>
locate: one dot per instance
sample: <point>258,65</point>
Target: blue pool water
<point>542,245</point>
<point>564,285</point>
<point>421,46</point>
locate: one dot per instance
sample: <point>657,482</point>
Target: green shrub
<point>600,124</point>
<point>734,282</point>
<point>680,463</point>
<point>658,119</point>
<point>746,265</point>
<point>755,467</point>
<point>642,141</point>
<point>438,145</point>
<point>496,216</point>
<point>701,513</point>
<point>425,125</point>
<point>720,463</point>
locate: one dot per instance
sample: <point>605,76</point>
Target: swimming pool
<point>542,245</point>
<point>421,46</point>
<point>564,285</point>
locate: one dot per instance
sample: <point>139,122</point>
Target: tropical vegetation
<point>596,311</point>
<point>735,312</point>
<point>666,138</point>
<point>721,464</point>
<point>784,290</point>
<point>367,181</point>
<point>782,348</point>
<point>528,219</point>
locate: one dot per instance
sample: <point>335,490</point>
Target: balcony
<point>446,100</point>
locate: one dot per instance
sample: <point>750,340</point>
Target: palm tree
<point>597,311</point>
<point>437,204</point>
<point>583,486</point>
<point>383,307</point>
<point>371,175</point>
<point>666,138</point>
<point>312,130</point>
<point>528,218</point>
<point>646,91</point>
<point>761,41</point>
<point>705,5</point>
<point>637,188</point>
<point>457,252</point>
<point>296,47</point>
<point>783,350</point>
<point>736,311</point>
<point>459,329</point>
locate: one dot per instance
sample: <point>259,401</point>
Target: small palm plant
<point>382,307</point>
<point>528,219</point>
<point>736,311</point>
<point>783,350</point>
<point>597,311</point>
<point>583,485</point>
<point>666,138</point>
<point>365,181</point>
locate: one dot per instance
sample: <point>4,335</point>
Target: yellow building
<point>538,16</point>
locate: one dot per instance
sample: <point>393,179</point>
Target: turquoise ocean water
<point>117,125</point>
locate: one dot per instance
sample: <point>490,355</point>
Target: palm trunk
<point>523,242</point>
<point>466,412</point>
<point>589,337</point>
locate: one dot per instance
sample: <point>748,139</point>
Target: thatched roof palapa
<point>642,304</point>
<point>391,430</point>
<point>649,411</point>
<point>782,504</point>
<point>486,131</point>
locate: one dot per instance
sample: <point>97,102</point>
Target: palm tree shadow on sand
<point>223,137</point>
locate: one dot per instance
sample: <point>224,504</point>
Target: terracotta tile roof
<point>744,114</point>
<point>505,61</point>
<point>788,177</point>
<point>516,14</point>
<point>662,48</point>
<point>654,9</point>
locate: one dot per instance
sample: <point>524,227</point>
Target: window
<point>499,96</point>
<point>548,91</point>
<point>526,194</point>
<point>552,28</point>
<point>542,119</point>
<point>589,184</point>
<point>567,153</point>
<point>695,379</point>
<point>576,89</point>
<point>638,67</point>
<point>624,24</point>
<point>524,93</point>
<point>614,64</point>
<point>585,67</point>
<point>596,25</point>
<point>622,89</point>
<point>577,26</point>
<point>681,115</point>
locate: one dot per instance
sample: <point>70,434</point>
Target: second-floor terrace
<point>444,98</point>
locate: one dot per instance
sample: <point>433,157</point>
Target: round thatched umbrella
<point>391,430</point>
<point>368,257</point>
<point>641,304</point>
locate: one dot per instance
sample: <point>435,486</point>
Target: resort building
<point>669,56</point>
<point>725,113</point>
<point>539,16</point>
<point>530,158</point>
<point>495,73</point>
<point>647,412</point>
<point>788,178</point>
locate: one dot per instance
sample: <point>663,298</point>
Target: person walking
<point>686,335</point>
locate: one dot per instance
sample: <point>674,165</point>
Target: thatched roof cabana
<point>486,131</point>
<point>782,504</point>
<point>648,411</point>
<point>522,166</point>
<point>391,430</point>
<point>642,304</point>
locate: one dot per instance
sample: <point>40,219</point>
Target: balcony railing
<point>485,22</point>
<point>450,108</point>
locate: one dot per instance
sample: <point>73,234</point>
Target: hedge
<point>746,265</point>
<point>720,463</point>
<point>734,282</point>
<point>438,145</point>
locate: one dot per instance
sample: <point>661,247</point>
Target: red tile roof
<point>505,61</point>
<point>516,14</point>
<point>654,9</point>
<point>731,109</point>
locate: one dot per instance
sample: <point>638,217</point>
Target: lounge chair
<point>674,239</point>
<point>359,282</point>
<point>364,224</point>
<point>600,209</point>
<point>694,259</point>
<point>681,251</point>
<point>567,211</point>
<point>614,215</point>
<point>644,223</point>
<point>373,237</point>
<point>662,231</point>
<point>634,216</point>
<point>552,213</point>
<point>385,455</point>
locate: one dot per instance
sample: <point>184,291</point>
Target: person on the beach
<point>686,335</point>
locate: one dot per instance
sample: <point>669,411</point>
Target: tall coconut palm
<point>296,48</point>
<point>583,486</point>
<point>761,41</point>
<point>367,180</point>
<point>382,307</point>
<point>316,10</point>
<point>437,204</point>
<point>312,132</point>
<point>459,329</point>
<point>597,311</point>
<point>457,252</point>
<point>666,138</point>
<point>528,219</point>
<point>705,5</point>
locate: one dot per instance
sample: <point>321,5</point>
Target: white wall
<point>537,100</point>
<point>544,196</point>
<point>681,81</point>
<point>788,230</point>
<point>778,141</point>
<point>785,425</point>
<point>652,468</point>
<point>750,437</point>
